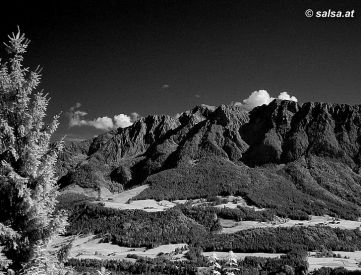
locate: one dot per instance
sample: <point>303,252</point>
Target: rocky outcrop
<point>283,131</point>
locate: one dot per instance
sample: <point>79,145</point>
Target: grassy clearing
<point>124,201</point>
<point>91,247</point>
<point>231,226</point>
<point>316,263</point>
<point>240,256</point>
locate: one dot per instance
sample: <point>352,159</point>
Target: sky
<point>109,62</point>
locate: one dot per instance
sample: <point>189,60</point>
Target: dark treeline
<point>284,239</point>
<point>294,262</point>
<point>206,216</point>
<point>134,228</point>
<point>70,201</point>
<point>248,214</point>
<point>141,266</point>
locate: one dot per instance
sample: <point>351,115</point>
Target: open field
<point>231,226</point>
<point>123,197</point>
<point>241,256</point>
<point>90,247</point>
<point>124,200</point>
<point>350,262</point>
<point>316,263</point>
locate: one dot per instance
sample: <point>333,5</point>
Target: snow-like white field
<point>124,200</point>
<point>351,262</point>
<point>231,226</point>
<point>316,263</point>
<point>241,256</point>
<point>90,247</point>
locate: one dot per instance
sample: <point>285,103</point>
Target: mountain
<point>282,156</point>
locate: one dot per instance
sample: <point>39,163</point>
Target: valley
<point>92,247</point>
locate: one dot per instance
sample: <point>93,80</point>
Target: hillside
<point>283,156</point>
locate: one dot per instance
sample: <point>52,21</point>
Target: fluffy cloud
<point>76,118</point>
<point>122,121</point>
<point>286,96</point>
<point>102,123</point>
<point>258,98</point>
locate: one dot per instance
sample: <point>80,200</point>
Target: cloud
<point>258,98</point>
<point>102,123</point>
<point>197,95</point>
<point>165,86</point>
<point>122,121</point>
<point>76,118</point>
<point>286,96</point>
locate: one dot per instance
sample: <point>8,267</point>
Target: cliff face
<point>284,131</point>
<point>274,155</point>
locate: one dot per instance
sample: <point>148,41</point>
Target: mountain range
<point>285,156</point>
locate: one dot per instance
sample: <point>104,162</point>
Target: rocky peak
<point>196,115</point>
<point>230,115</point>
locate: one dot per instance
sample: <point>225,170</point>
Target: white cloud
<point>258,98</point>
<point>102,123</point>
<point>286,96</point>
<point>165,86</point>
<point>122,121</point>
<point>76,118</point>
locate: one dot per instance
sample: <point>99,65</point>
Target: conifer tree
<point>231,264</point>
<point>28,183</point>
